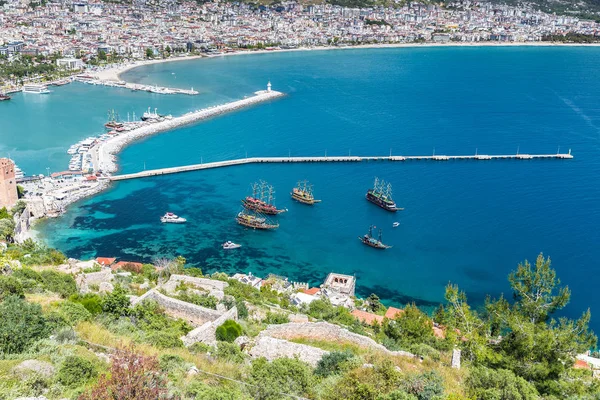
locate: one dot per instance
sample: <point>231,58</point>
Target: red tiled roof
<point>367,317</point>
<point>311,291</point>
<point>393,312</point>
<point>105,261</point>
<point>91,178</point>
<point>133,265</point>
<point>580,364</point>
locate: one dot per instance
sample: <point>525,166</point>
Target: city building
<point>8,183</point>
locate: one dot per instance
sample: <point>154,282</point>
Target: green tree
<point>149,53</point>
<point>20,191</point>
<point>374,303</point>
<point>18,208</point>
<point>228,331</point>
<point>22,324</point>
<point>7,229</point>
<point>102,55</point>
<point>117,302</point>
<point>413,326</point>
<point>74,312</point>
<point>57,282</point>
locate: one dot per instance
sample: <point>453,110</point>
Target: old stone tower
<point>8,184</point>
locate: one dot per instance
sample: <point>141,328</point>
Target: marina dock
<point>136,86</point>
<point>355,159</point>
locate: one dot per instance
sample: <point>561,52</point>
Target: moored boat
<point>35,88</point>
<point>370,241</point>
<point>4,97</point>
<point>171,218</point>
<point>381,195</point>
<point>303,193</point>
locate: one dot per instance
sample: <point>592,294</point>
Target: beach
<point>114,73</point>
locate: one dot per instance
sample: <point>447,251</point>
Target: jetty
<point>347,159</point>
<point>135,86</point>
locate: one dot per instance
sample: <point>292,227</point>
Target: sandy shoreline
<point>114,73</point>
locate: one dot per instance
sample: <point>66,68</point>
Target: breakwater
<point>104,152</point>
<point>257,160</point>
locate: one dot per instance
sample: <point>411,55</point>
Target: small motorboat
<point>396,224</point>
<point>229,245</point>
<point>170,218</point>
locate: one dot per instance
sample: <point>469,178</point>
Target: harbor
<point>90,80</point>
<point>352,159</point>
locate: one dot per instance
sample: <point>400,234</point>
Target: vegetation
<point>512,349</point>
<point>229,331</point>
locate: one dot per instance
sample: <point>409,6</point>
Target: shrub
<point>75,370</point>
<point>164,340</point>
<point>22,324</point>
<point>488,384</point>
<point>425,386</point>
<point>193,271</point>
<point>241,309</point>
<point>276,318</point>
<point>131,376</point>
<point>333,363</point>
<point>117,302</point>
<point>28,277</point>
<point>283,375</point>
<point>57,282</point>
<point>66,335</point>
<point>202,391</point>
<point>423,350</point>
<point>170,362</point>
<point>203,300</point>
<point>9,286</point>
<point>199,348</point>
<point>228,331</point>
<point>229,352</point>
<point>74,312</point>
<point>398,394</point>
<point>91,301</point>
<point>324,310</point>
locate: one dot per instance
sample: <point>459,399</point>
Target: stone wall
<point>195,315</point>
<point>206,332</point>
<point>22,225</point>
<point>327,332</point>
<point>214,287</point>
<point>93,278</point>
<point>272,348</point>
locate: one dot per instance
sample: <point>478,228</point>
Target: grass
<point>48,301</point>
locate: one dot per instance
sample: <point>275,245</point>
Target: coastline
<point>114,73</point>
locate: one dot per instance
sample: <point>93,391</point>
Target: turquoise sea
<point>465,222</point>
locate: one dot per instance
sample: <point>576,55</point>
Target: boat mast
<point>380,236</point>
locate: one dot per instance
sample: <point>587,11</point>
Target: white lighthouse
<point>269,87</point>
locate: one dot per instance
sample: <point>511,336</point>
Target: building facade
<point>8,183</point>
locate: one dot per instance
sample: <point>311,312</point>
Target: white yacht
<point>35,88</point>
<point>228,245</point>
<point>172,219</point>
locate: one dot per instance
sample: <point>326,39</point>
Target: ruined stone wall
<point>93,278</point>
<point>195,315</point>
<point>214,287</point>
<point>272,348</point>
<point>206,332</point>
<point>327,332</point>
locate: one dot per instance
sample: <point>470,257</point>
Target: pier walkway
<point>258,160</point>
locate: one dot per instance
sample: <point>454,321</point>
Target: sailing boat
<point>262,199</point>
<point>370,241</point>
<point>381,195</point>
<point>254,220</point>
<point>304,194</point>
<point>112,120</point>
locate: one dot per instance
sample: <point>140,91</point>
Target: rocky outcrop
<point>84,281</point>
<point>326,332</point>
<point>272,348</point>
<point>29,367</point>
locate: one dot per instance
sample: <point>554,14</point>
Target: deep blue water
<point>465,222</point>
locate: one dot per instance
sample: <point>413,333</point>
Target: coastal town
<point>77,35</point>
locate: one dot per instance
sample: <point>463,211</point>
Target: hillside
<point>102,329</point>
